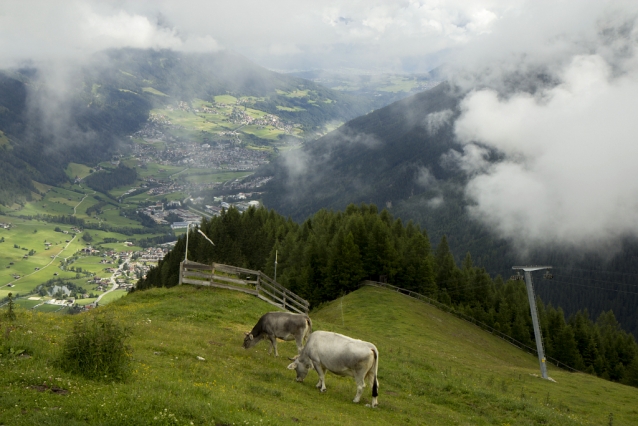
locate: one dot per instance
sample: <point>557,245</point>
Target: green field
<point>434,369</point>
<point>74,170</point>
<point>294,109</point>
<point>209,175</point>
<point>399,84</point>
<point>3,139</point>
<point>112,296</point>
<point>226,99</point>
<point>49,308</point>
<point>153,91</point>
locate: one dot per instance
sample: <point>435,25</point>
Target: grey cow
<point>341,355</point>
<point>282,325</point>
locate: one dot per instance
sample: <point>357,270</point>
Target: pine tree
<point>345,268</point>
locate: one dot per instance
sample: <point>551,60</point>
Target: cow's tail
<point>375,368</point>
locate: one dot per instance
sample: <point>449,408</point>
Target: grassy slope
<point>434,369</point>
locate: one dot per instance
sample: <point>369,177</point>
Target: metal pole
<point>188,226</point>
<point>532,307</point>
<point>537,329</point>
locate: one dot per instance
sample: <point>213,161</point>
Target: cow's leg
<point>299,341</point>
<point>359,378</point>
<point>273,342</point>
<point>322,377</point>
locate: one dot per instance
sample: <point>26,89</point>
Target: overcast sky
<point>367,35</point>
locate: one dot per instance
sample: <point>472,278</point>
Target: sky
<point>552,86</point>
<point>369,36</point>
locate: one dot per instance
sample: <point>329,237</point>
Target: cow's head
<point>249,341</point>
<point>300,367</point>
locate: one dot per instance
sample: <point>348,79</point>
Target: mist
<point>559,109</point>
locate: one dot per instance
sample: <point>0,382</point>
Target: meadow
<point>434,369</point>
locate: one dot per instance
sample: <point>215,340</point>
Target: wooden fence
<point>244,280</point>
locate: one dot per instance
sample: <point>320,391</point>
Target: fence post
<point>212,274</point>
<point>257,286</point>
<point>181,272</point>
<point>284,297</point>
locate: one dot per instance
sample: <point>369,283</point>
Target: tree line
<point>330,254</point>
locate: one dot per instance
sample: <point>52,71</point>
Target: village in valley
<point>191,161</point>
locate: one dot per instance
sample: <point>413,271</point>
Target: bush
<point>96,349</point>
<point>11,314</point>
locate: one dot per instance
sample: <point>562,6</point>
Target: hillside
<point>392,157</point>
<point>434,369</point>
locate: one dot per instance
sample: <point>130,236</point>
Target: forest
<point>103,181</point>
<point>330,253</point>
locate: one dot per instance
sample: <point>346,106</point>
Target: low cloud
<point>568,174</point>
<point>45,31</point>
<point>436,120</point>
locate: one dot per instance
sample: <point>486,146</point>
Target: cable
<point>600,288</point>
<point>596,271</point>
<point>592,279</point>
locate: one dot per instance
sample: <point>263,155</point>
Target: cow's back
<point>337,351</point>
<point>281,324</point>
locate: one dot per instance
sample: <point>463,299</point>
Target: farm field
<point>74,170</point>
<point>434,369</point>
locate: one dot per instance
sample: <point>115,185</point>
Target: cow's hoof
<point>323,390</point>
<point>371,406</point>
<point>356,401</point>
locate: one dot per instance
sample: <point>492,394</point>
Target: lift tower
<point>532,307</point>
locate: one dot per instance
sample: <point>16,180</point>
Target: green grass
<point>3,139</point>
<point>23,235</point>
<point>74,170</point>
<point>226,99</point>
<point>112,296</point>
<point>153,91</point>
<point>434,369</point>
<point>399,84</point>
<point>294,109</point>
<point>48,308</point>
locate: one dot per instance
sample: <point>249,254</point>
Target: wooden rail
<point>244,280</point>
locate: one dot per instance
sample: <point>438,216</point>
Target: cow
<point>343,356</point>
<point>282,325</point>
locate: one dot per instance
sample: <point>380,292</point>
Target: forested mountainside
<point>392,157</point>
<point>47,121</point>
<point>37,146</point>
<point>330,253</point>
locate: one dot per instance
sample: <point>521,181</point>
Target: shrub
<point>96,349</point>
<point>11,314</point>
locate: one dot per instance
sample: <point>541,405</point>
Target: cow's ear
<point>250,336</point>
<point>292,365</point>
<point>294,357</point>
<point>246,333</point>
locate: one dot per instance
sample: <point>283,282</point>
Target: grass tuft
<point>96,349</point>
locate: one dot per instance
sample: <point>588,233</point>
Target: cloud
<point>32,30</point>
<point>568,172</point>
<point>379,35</point>
<point>436,120</point>
<point>425,178</point>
